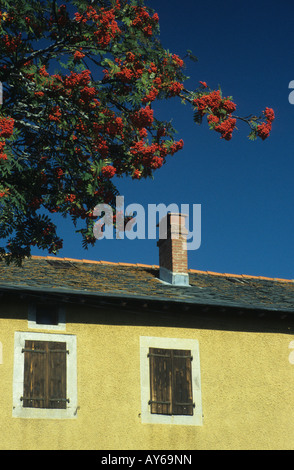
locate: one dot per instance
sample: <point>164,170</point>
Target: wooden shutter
<point>57,375</point>
<point>170,382</point>
<point>160,381</point>
<point>34,393</point>
<point>44,374</point>
<point>182,383</point>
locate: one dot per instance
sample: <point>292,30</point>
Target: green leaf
<point>252,135</point>
<point>191,56</point>
<point>197,118</point>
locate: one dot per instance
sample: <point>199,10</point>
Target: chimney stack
<point>173,260</point>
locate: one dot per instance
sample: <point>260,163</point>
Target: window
<point>46,316</point>
<point>170,381</point>
<point>45,376</point>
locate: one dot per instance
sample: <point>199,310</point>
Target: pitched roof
<point>137,281</point>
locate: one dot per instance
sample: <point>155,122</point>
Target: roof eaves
<point>36,290</point>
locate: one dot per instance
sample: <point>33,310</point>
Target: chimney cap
<point>171,214</point>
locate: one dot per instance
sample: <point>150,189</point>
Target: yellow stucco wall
<point>247,388</point>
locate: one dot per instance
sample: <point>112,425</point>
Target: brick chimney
<point>172,243</point>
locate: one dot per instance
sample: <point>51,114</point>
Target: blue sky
<point>245,188</point>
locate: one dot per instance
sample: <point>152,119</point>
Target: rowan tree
<point>79,80</point>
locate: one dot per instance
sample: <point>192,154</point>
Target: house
<point>114,356</point>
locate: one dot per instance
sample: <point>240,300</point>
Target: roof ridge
<point>152,266</point>
<point>76,260</point>
<point>241,276</point>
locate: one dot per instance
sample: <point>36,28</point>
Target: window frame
<point>18,410</point>
<point>147,417</point>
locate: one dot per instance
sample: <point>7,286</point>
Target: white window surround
<point>61,326</point>
<point>18,411</point>
<point>147,342</point>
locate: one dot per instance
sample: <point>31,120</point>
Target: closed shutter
<point>170,382</point>
<point>182,383</point>
<point>160,381</point>
<point>57,375</point>
<point>44,374</point>
<point>34,393</point>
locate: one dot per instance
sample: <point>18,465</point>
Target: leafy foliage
<point>79,81</point>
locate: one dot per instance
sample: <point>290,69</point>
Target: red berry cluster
<point>152,95</point>
<point>175,88</point>
<point>70,198</point>
<point>75,79</point>
<point>144,21</point>
<point>11,43</point>
<point>55,114</point>
<point>226,128</point>
<point>6,131</point>
<point>6,127</point>
<point>78,55</point>
<point>142,118</point>
<point>3,155</point>
<point>104,21</point>
<point>218,111</point>
<point>130,69</point>
<point>108,171</point>
<point>263,130</point>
